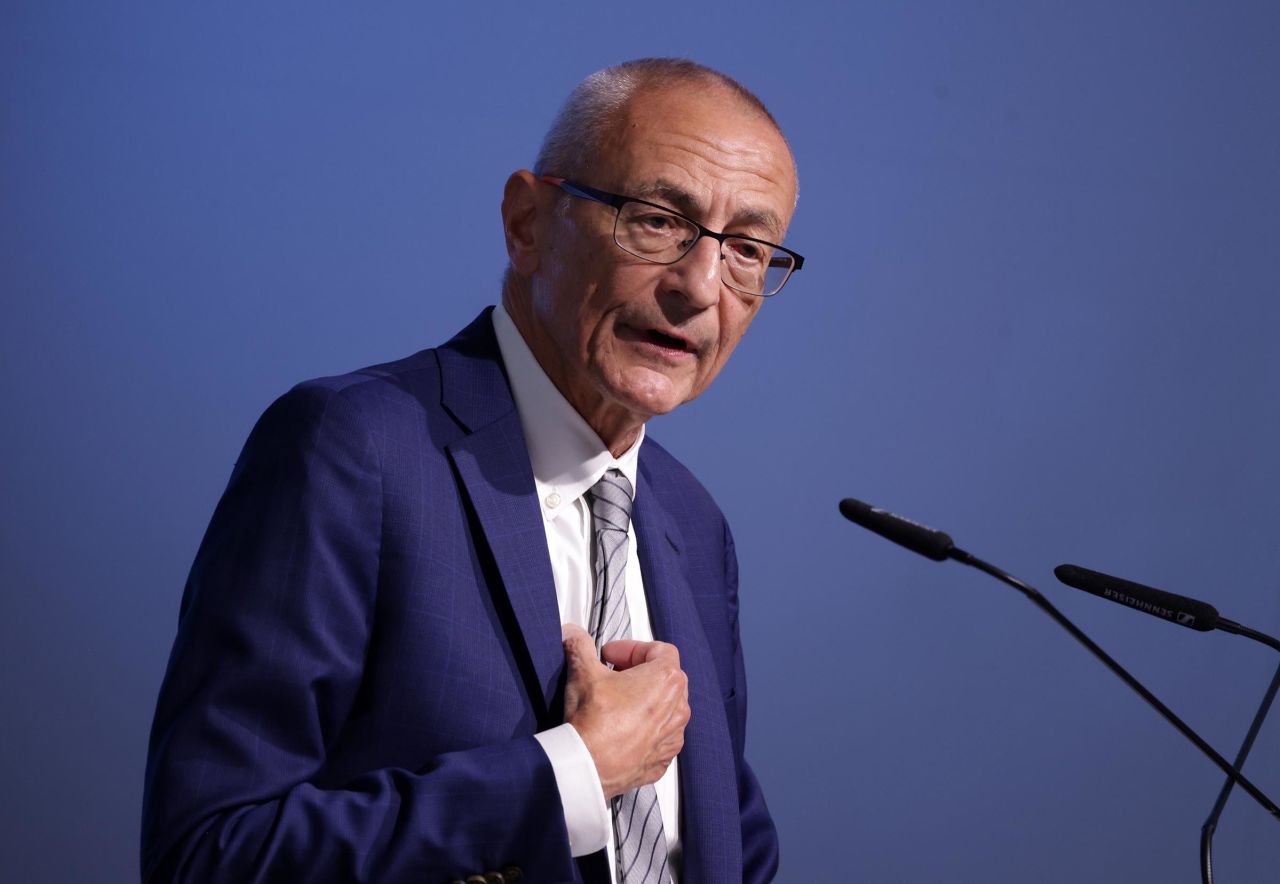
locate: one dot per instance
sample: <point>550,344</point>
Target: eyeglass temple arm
<point>581,190</point>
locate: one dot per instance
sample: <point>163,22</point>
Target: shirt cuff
<point>586,815</point>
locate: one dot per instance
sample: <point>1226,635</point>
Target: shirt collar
<point>566,454</point>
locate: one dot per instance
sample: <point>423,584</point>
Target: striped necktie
<point>637,822</point>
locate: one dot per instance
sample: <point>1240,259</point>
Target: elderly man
<point>455,619</point>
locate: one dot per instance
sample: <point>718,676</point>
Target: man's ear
<point>522,207</point>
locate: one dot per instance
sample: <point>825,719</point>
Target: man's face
<point>625,337</point>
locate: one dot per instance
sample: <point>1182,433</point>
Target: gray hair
<point>578,135</point>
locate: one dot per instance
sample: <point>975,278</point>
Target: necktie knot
<point>610,500</point>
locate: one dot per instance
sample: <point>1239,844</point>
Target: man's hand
<point>631,718</point>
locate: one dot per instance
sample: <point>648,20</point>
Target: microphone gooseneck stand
<point>1201,617</point>
<point>937,545</point>
<point>1233,775</point>
<point>1211,823</point>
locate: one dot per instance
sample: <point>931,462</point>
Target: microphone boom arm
<point>1235,628</point>
<point>1211,823</point>
<point>1044,604</point>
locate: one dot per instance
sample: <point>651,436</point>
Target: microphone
<point>1188,612</point>
<point>938,546</point>
<point>918,538</point>
<point>1165,605</point>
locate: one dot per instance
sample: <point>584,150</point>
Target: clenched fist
<point>631,718</point>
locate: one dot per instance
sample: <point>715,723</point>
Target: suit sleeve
<point>275,622</point>
<point>759,835</point>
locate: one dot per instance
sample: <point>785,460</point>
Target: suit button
<point>511,875</point>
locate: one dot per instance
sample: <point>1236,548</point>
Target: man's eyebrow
<point>687,204</point>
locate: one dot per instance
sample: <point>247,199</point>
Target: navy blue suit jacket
<point>370,637</point>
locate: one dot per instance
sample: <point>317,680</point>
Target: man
<point>383,670</point>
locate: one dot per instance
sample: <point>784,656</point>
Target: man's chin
<point>650,392</point>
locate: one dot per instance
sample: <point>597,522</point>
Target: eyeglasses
<point>658,234</point>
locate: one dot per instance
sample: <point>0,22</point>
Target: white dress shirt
<point>567,459</point>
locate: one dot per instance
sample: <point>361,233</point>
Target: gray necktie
<point>637,822</point>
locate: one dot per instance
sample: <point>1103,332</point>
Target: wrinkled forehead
<point>705,151</point>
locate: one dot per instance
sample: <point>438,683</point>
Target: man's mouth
<point>666,341</point>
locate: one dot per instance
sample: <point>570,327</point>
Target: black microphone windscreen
<point>1165,605</point>
<point>918,538</point>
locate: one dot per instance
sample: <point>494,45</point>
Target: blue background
<point>1040,312</point>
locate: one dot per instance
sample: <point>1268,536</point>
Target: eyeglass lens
<point>650,233</point>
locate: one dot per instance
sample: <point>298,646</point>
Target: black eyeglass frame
<point>617,201</point>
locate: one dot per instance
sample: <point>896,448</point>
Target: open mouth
<point>669,342</point>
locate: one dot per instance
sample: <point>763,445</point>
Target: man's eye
<point>656,222</point>
<point>748,251</point>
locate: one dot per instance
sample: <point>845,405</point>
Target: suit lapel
<point>708,785</point>
<point>492,462</point>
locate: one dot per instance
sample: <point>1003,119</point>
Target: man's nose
<point>696,276</point>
